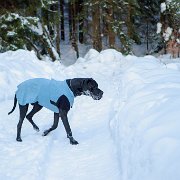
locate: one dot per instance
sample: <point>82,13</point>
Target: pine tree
<point>108,15</point>
<point>119,26</point>
<point>146,23</point>
<point>73,25</point>
<point>169,26</point>
<point>30,26</point>
<point>57,27</point>
<point>132,13</point>
<point>81,18</point>
<point>62,5</point>
<point>96,28</point>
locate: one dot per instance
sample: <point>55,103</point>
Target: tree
<point>40,25</point>
<point>81,20</point>
<point>32,26</point>
<point>73,25</point>
<point>62,4</point>
<point>58,30</point>
<point>132,13</point>
<point>96,29</point>
<point>169,26</point>
<point>108,8</point>
<point>119,26</point>
<point>146,23</point>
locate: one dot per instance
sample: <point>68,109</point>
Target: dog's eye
<point>93,89</point>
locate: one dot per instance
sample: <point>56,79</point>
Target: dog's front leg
<point>54,126</point>
<point>64,118</point>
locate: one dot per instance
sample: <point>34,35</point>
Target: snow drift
<point>131,134</point>
<point>146,126</point>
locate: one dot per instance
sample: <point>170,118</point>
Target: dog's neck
<point>73,87</point>
<point>68,81</point>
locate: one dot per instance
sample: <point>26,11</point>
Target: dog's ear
<point>91,83</point>
<point>87,83</point>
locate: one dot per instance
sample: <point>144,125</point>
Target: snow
<point>37,29</point>
<point>146,128</point>
<point>159,26</point>
<point>132,133</point>
<point>11,17</point>
<point>11,33</point>
<point>163,7</point>
<point>167,33</point>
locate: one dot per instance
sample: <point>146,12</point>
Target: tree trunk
<point>70,18</point>
<point>97,41</point>
<point>163,22</point>
<point>57,26</point>
<point>33,46</point>
<point>147,36</point>
<point>109,19</point>
<point>74,29</point>
<point>62,19</point>
<point>130,24</point>
<point>81,21</point>
<point>86,22</point>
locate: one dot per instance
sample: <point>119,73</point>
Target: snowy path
<point>94,158</point>
<point>52,157</point>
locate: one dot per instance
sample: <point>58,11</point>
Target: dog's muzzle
<point>96,94</point>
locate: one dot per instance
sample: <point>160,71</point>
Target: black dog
<point>59,104</point>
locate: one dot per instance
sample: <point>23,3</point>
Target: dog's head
<point>88,87</point>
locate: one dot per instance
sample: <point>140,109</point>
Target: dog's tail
<point>15,102</point>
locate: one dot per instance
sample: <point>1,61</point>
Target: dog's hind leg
<point>23,110</point>
<point>36,108</point>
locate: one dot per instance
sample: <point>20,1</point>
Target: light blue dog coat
<point>42,91</point>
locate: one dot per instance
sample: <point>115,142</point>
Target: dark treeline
<point>43,25</point>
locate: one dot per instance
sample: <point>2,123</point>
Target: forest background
<point>46,25</point>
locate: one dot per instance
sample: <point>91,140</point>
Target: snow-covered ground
<point>132,133</point>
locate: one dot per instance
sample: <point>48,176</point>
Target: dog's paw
<point>36,128</point>
<point>73,141</point>
<point>45,133</point>
<point>19,139</point>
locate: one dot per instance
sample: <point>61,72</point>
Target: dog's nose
<point>101,94</point>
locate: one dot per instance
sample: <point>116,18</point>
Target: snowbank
<point>131,134</point>
<point>52,157</point>
<point>146,126</point>
<point>17,66</point>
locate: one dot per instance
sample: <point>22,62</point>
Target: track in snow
<point>52,157</point>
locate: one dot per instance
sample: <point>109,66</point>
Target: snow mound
<point>91,54</point>
<point>106,56</point>
<point>110,55</point>
<point>17,66</point>
<point>132,133</point>
<point>52,157</point>
<point>146,126</point>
